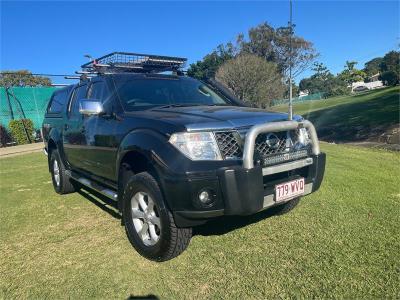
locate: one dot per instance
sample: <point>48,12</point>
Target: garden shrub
<point>18,131</point>
<point>4,136</point>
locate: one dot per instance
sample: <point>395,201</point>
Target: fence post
<point>36,106</point>
<point>23,115</point>
<point>9,103</point>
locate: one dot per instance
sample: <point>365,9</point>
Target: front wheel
<point>286,207</point>
<point>149,224</point>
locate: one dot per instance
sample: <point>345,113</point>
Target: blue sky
<point>52,37</point>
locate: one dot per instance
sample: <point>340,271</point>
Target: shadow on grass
<point>152,297</point>
<point>106,204</point>
<point>226,224</point>
<point>218,226</point>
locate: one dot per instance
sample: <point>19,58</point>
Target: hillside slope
<point>372,116</point>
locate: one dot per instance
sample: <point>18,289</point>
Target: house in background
<point>303,94</point>
<point>374,83</point>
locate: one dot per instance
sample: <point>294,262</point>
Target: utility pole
<point>290,62</point>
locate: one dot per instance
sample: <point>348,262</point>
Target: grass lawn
<point>352,118</point>
<point>341,242</point>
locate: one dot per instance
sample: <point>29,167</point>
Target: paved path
<point>18,150</point>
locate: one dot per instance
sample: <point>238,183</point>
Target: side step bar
<point>95,186</point>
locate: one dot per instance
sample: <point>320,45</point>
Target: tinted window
<point>58,101</point>
<point>97,91</point>
<point>79,93</point>
<point>142,93</point>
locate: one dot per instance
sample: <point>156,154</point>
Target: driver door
<point>100,132</point>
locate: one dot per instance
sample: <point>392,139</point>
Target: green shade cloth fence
<point>33,101</point>
<point>316,96</point>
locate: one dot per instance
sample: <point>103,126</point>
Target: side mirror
<point>90,107</point>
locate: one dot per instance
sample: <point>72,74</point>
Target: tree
<point>323,81</point>
<point>390,78</point>
<point>260,42</point>
<point>206,68</point>
<point>22,78</point>
<point>391,62</point>
<point>321,71</point>
<point>350,74</point>
<point>274,45</point>
<point>319,81</point>
<point>306,84</point>
<point>252,79</point>
<point>303,52</point>
<point>390,68</point>
<point>372,67</point>
<point>336,87</point>
<point>266,42</point>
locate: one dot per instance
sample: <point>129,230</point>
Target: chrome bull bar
<point>249,144</point>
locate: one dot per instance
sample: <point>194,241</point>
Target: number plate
<point>289,189</point>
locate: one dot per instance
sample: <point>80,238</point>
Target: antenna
<point>290,62</point>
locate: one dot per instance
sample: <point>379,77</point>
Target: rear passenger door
<point>54,112</point>
<point>73,133</point>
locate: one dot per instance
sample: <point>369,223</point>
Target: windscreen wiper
<point>178,105</point>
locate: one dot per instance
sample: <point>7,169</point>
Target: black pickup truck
<point>174,152</point>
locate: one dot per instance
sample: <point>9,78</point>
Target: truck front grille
<point>228,143</point>
<point>280,143</point>
<point>273,147</point>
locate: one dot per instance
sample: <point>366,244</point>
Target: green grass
<point>341,242</point>
<point>352,118</point>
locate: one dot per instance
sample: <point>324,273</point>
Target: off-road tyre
<point>286,207</point>
<point>172,241</point>
<point>62,184</point>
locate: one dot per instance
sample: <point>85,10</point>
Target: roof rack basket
<point>118,62</point>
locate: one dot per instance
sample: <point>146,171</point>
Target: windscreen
<point>144,93</point>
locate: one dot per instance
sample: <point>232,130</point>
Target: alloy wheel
<point>146,219</point>
<point>56,172</point>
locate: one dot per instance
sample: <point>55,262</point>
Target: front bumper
<point>237,190</point>
<point>242,188</point>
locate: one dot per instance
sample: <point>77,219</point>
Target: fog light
<point>205,197</point>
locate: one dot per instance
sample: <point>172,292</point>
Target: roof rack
<point>118,62</point>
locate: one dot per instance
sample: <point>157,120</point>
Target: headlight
<point>303,138</point>
<point>196,145</point>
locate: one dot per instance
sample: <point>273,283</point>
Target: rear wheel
<point>286,207</point>
<point>61,181</point>
<point>149,224</point>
